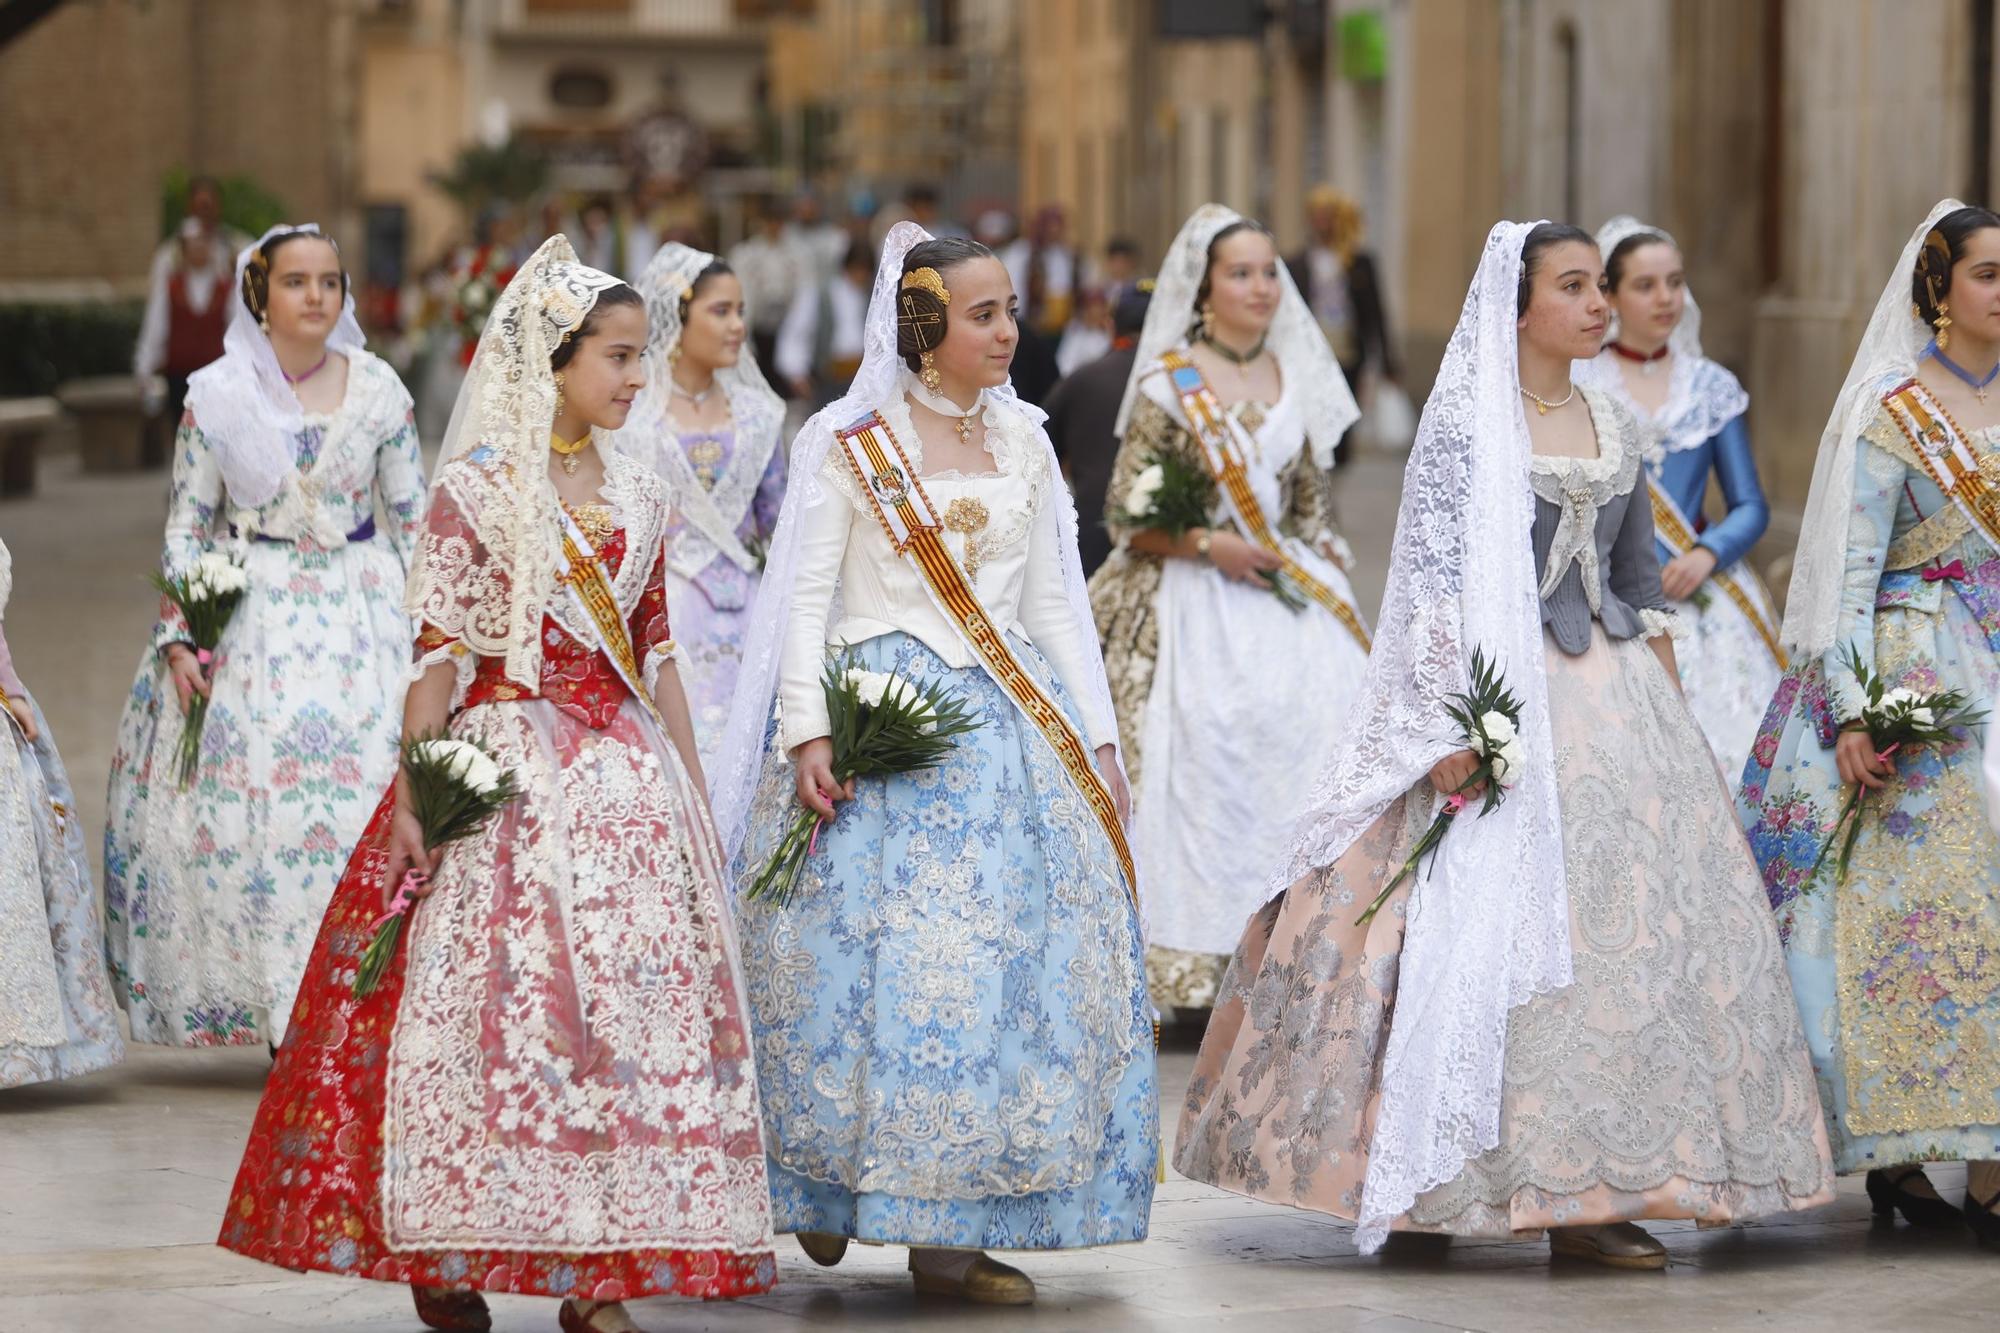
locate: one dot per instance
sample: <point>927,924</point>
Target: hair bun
<point>920,307</point>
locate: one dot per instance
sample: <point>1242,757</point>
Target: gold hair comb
<point>930,280</point>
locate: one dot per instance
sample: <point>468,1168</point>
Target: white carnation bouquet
<point>206,595</point>
<point>880,724</point>
<point>1489,723</point>
<point>455,787</point>
<point>1896,720</point>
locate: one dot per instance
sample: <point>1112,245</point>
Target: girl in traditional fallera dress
<point>952,1031</point>
<point>1897,963</point>
<point>56,1015</point>
<point>1598,1025</point>
<point>1690,415</point>
<point>551,1090</point>
<point>289,447</point>
<point>1232,373</point>
<point>709,425</point>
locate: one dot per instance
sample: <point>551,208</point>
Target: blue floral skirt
<point>1897,968</point>
<point>953,1042</point>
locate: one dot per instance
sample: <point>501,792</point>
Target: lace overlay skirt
<point>1727,670</point>
<point>1669,1080</point>
<point>552,1090</point>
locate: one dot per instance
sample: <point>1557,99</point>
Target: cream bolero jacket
<point>1019,576</point>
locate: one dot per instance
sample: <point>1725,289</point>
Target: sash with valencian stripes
<point>1673,528</point>
<point>1210,428</point>
<point>905,513</point>
<point>1941,449</point>
<point>591,592</point>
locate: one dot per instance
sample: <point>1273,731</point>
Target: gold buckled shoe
<point>1614,1245</point>
<point>986,1282</point>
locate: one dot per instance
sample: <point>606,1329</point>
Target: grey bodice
<point>1593,538</point>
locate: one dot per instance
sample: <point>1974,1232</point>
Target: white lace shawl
<point>243,402</point>
<point>733,778</point>
<point>1892,344</point>
<point>710,514</point>
<point>490,593</point>
<point>1305,359</point>
<point>1488,924</point>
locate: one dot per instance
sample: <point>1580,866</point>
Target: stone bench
<point>110,412</point>
<point>23,423</point>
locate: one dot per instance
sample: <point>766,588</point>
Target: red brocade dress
<point>551,1092</point>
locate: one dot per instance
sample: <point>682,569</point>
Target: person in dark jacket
<point>1338,279</point>
<point>1083,415</point>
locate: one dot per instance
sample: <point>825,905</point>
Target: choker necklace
<point>961,417</point>
<point>567,450</point>
<point>1977,383</point>
<point>1230,354</point>
<point>1648,361</point>
<point>696,398</point>
<point>1543,405</point>
<point>290,378</point>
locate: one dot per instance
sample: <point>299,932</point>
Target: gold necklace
<point>568,450</point>
<point>1542,405</point>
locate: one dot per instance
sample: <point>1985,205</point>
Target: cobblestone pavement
<point>112,1187</point>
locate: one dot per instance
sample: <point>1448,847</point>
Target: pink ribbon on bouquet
<point>1884,756</point>
<point>203,656</point>
<point>404,898</point>
<point>1455,802</point>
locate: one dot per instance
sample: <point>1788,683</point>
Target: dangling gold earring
<point>1208,321</point>
<point>1943,325</point>
<point>929,374</point>
<point>264,321</point>
<point>559,393</point>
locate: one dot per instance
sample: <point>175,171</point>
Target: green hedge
<point>42,346</point>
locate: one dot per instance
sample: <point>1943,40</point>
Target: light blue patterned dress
<point>1897,969</point>
<point>953,1042</point>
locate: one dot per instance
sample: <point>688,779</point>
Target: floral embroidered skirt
<point>1669,1079</point>
<point>551,1091</point>
<point>56,1015</point>
<point>1897,968</point>
<point>213,893</point>
<point>953,1041</point>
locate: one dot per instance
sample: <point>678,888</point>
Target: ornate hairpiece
<point>930,280</point>
<point>1934,263</point>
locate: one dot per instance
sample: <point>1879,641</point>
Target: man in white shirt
<point>772,272</point>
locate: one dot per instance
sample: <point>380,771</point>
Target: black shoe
<point>1985,1223</point>
<point>1919,1210</point>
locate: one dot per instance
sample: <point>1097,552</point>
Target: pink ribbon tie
<point>1455,802</point>
<point>203,656</point>
<point>1955,571</point>
<point>1884,756</point>
<point>404,899</point>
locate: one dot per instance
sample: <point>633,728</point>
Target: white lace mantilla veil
<point>1705,397</point>
<point>1304,358</point>
<point>1488,922</point>
<point>494,467</point>
<point>733,779</point>
<point>1891,345</point>
<point>758,413</point>
<point>243,403</point>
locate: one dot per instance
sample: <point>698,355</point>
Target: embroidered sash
<point>1215,432</point>
<point>1674,529</point>
<point>591,592</point>
<point>1945,455</point>
<point>905,512</point>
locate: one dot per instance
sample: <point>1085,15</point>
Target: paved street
<point>111,1187</point>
